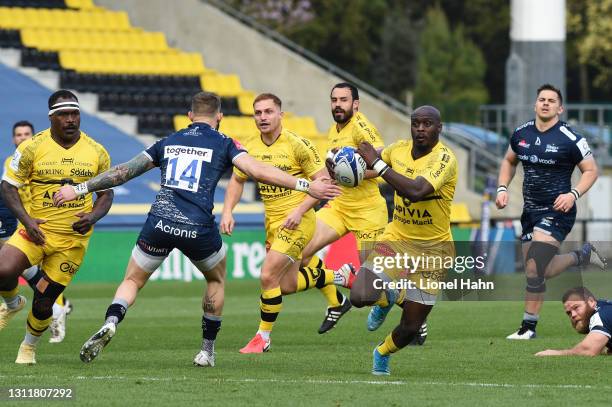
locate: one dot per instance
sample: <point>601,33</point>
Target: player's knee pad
<point>42,304</point>
<point>542,254</point>
<point>32,276</point>
<point>536,285</point>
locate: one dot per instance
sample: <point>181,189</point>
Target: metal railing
<point>310,56</point>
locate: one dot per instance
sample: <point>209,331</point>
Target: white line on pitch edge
<point>313,381</point>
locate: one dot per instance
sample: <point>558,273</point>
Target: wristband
<point>502,188</point>
<point>575,192</point>
<point>80,189</point>
<point>302,185</point>
<point>380,166</point>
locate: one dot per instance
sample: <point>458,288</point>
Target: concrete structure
<point>266,66</point>
<point>537,54</point>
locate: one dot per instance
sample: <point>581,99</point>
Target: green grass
<point>466,360</point>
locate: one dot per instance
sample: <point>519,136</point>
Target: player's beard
<point>347,114</point>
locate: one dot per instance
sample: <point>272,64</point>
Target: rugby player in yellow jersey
<point>54,237</point>
<point>423,172</point>
<point>289,215</point>
<point>361,210</point>
<point>24,130</point>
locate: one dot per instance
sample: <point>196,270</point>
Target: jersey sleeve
<point>309,158</point>
<point>580,150</point>
<point>440,169</point>
<point>20,167</point>
<point>385,155</point>
<point>514,139</point>
<point>364,131</point>
<point>597,325</point>
<point>234,149</point>
<point>104,160</point>
<point>155,152</point>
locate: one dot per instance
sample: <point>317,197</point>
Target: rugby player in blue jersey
<point>589,316</point>
<point>191,161</point>
<point>549,150</point>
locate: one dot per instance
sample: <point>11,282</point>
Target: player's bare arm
<point>11,197</point>
<point>104,200</point>
<point>414,190</point>
<point>233,193</point>
<point>320,188</point>
<point>588,168</point>
<point>592,345</point>
<point>506,174</point>
<point>117,175</point>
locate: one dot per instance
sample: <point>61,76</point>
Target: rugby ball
<point>349,167</point>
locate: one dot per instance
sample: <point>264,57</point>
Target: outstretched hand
<point>324,188</point>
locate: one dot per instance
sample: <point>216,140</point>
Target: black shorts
<point>553,223</point>
<point>159,236</point>
<point>8,225</point>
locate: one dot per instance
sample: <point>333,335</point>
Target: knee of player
<point>358,300</point>
<point>268,280</point>
<point>531,270</point>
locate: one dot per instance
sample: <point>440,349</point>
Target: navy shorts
<point>159,236</point>
<point>8,225</point>
<point>553,223</point>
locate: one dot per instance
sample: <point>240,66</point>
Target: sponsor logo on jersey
<point>551,148</point>
<point>49,171</point>
<point>67,161</point>
<point>537,160</point>
<point>524,143</point>
<point>537,142</point>
<point>205,154</point>
<point>81,172</point>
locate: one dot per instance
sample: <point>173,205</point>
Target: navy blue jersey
<point>548,158</point>
<point>601,320</point>
<point>191,161</point>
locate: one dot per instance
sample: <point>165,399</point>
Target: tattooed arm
<point>117,175</point>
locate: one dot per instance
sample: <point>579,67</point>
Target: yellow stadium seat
<point>245,103</point>
<point>460,213</point>
<point>180,122</point>
<point>80,4</point>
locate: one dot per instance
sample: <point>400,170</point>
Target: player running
<point>361,210</point>
<point>22,131</point>
<point>289,215</point>
<point>55,237</point>
<point>549,151</point>
<point>423,172</point>
<point>191,161</point>
<point>589,316</point>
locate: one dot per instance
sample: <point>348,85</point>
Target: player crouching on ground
<point>588,316</point>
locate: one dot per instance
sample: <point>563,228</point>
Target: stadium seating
<point>133,71</point>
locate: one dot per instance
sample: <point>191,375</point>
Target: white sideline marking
<point>312,381</point>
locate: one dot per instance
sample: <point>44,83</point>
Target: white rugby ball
<point>349,167</point>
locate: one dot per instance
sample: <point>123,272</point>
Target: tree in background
<point>450,70</point>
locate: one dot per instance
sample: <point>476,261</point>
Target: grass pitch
<point>465,361</point>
